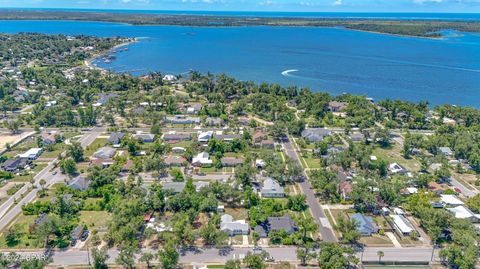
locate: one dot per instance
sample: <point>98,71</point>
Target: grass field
<point>98,143</point>
<point>394,154</point>
<point>95,219</point>
<point>22,224</point>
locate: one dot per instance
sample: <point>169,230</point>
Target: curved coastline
<point>89,62</point>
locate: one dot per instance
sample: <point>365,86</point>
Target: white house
<point>205,136</point>
<point>395,168</point>
<point>202,159</point>
<point>450,200</point>
<point>32,154</point>
<point>461,212</point>
<point>271,189</point>
<point>233,227</point>
<point>402,225</point>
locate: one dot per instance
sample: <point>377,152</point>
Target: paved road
<point>202,256</point>
<point>465,191</point>
<point>324,226</point>
<point>50,175</point>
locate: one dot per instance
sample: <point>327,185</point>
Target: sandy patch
<point>6,138</point>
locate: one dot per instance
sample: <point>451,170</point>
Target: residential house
<point>395,168</point>
<point>461,212</point>
<point>175,160</point>
<point>79,183</point>
<point>272,189</point>
<point>231,162</point>
<point>365,225</point>
<point>233,227</point>
<point>16,164</point>
<point>104,163</point>
<point>116,137</point>
<point>104,153</point>
<point>285,223</point>
<point>402,225</point>
<point>210,121</point>
<point>345,189</point>
<point>269,144</point>
<point>127,167</point>
<point>445,151</point>
<point>315,134</point>
<point>203,137</point>
<point>104,98</point>
<point>335,106</point>
<point>181,119</point>
<point>32,154</point>
<point>194,108</point>
<point>76,235</point>
<point>174,187</point>
<point>227,137</point>
<point>169,78</point>
<point>357,137</point>
<point>50,138</point>
<point>450,200</point>
<point>144,138</point>
<point>202,159</point>
<point>173,137</point>
<point>258,137</point>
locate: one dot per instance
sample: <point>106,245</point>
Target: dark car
<point>84,235</point>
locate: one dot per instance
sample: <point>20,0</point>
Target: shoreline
<point>89,62</point>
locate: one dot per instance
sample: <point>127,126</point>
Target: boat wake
<point>287,73</point>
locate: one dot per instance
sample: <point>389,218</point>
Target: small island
<point>418,28</point>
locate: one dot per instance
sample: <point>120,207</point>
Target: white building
<point>202,159</point>
<point>205,136</point>
<point>233,227</point>
<point>272,189</point>
<point>32,154</point>
<point>402,225</point>
<point>450,200</point>
<point>461,212</point>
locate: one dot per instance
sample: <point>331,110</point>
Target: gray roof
<point>231,161</point>
<point>315,134</point>
<point>365,225</point>
<point>285,223</point>
<point>179,136</point>
<point>228,136</point>
<point>144,137</point>
<point>213,121</point>
<point>104,153</point>
<point>271,186</point>
<point>79,183</point>
<point>116,137</point>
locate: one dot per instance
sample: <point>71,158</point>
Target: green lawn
<point>394,154</point>
<point>95,219</point>
<point>22,224</point>
<point>376,240</point>
<point>237,213</point>
<point>98,143</point>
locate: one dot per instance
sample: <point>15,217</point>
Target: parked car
<point>84,235</point>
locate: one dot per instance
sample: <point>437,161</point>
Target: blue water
<point>327,59</point>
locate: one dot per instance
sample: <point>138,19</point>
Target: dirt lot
<point>7,138</point>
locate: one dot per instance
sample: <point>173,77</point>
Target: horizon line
<point>219,11</point>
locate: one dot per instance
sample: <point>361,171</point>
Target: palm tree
<point>380,255</point>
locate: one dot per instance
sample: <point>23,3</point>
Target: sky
<point>453,6</point>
